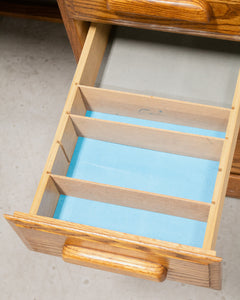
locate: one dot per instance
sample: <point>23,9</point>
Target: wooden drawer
<point>106,198</point>
<point>218,18</point>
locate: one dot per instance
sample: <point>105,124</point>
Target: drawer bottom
<point>130,220</point>
<point>144,170</point>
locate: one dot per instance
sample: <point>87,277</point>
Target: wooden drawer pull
<point>114,262</point>
<point>185,10</point>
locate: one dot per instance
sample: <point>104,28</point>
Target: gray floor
<point>36,68</point>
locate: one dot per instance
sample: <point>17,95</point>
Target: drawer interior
<point>139,180</point>
<point>129,159</point>
<point>142,165</point>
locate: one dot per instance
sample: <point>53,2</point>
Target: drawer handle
<point>185,10</point>
<point>114,262</point>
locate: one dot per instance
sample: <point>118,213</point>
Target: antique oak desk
<point>135,184</point>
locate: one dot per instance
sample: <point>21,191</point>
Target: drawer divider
<point>165,204</point>
<point>155,108</point>
<point>149,138</point>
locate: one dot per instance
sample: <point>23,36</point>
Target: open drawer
<point>133,184</point>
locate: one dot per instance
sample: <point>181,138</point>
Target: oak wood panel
<point>155,108</point>
<point>114,263</point>
<point>149,138</point>
<point>186,10</point>
<point>76,30</point>
<point>236,158</point>
<point>183,263</point>
<point>132,198</point>
<point>224,23</point>
<point>233,189</point>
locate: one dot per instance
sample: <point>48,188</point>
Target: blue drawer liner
<point>140,169</point>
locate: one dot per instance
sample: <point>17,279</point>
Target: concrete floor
<point>36,68</point>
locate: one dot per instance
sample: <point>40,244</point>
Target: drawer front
<point>220,19</point>
<point>118,252</point>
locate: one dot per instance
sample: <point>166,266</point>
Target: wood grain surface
<point>236,159</point>
<point>224,23</point>
<point>183,263</point>
<point>187,10</point>
<point>233,189</point>
<point>76,30</point>
<point>114,263</point>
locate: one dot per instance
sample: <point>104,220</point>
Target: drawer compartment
<point>133,184</point>
<point>147,173</point>
<point>145,168</point>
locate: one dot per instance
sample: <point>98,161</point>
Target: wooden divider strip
<point>78,106</point>
<point>49,200</point>
<point>69,139</point>
<point>170,205</point>
<point>61,162</point>
<point>149,138</point>
<point>156,109</point>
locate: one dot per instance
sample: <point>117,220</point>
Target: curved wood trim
<point>222,25</point>
<point>185,10</point>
